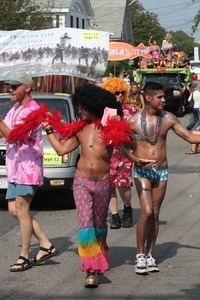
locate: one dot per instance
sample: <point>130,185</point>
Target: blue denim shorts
<point>15,189</point>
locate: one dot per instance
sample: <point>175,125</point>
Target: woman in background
<point>120,166</point>
<point>135,97</point>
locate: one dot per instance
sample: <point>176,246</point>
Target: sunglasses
<point>118,93</point>
<point>13,87</point>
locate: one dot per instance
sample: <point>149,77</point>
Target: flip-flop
<point>34,261</point>
<point>191,152</point>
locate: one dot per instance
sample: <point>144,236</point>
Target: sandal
<point>25,265</point>
<point>191,152</point>
<point>50,254</point>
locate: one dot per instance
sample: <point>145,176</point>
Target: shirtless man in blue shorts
<point>148,152</point>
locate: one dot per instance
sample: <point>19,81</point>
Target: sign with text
<point>120,51</point>
<point>142,51</point>
<point>50,157</point>
<point>57,51</point>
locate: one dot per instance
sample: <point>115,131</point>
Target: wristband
<point>49,130</point>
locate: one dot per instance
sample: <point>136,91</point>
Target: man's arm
<point>189,136</point>
<point>4,129</point>
<point>62,148</point>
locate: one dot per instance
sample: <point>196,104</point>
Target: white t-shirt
<point>196,97</point>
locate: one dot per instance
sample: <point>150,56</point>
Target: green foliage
<point>25,14</point>
<point>117,67</point>
<point>196,21</point>
<point>145,24</point>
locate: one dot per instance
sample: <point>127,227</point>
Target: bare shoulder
<point>134,118</point>
<point>169,117</point>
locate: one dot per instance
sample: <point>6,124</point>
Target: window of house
<point>76,6</point>
<point>83,24</point>
<point>57,21</point>
<point>71,21</point>
<point>77,22</point>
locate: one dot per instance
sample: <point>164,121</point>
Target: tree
<point>25,14</point>
<point>196,21</point>
<point>145,24</point>
<point>117,67</point>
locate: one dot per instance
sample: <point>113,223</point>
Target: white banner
<point>58,51</point>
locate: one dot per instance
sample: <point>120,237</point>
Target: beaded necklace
<point>150,140</point>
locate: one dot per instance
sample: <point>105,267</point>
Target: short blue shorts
<point>153,174</point>
<point>14,190</point>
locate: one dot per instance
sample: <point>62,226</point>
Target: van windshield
<point>166,79</point>
<point>53,104</point>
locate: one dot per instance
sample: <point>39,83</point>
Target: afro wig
<point>94,99</point>
<point>116,84</point>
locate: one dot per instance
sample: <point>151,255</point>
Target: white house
<point>105,15</point>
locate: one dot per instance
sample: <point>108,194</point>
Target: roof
<point>110,16</point>
<point>60,4</point>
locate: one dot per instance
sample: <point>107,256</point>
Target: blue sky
<point>174,15</point>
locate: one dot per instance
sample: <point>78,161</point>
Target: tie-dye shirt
<point>24,160</point>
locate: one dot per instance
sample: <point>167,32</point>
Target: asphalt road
<point>177,250</point>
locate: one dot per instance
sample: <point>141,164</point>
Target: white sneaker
<point>141,266</point>
<point>151,264</point>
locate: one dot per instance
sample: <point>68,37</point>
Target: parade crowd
<point>122,134</point>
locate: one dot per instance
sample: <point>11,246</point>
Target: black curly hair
<point>94,99</point>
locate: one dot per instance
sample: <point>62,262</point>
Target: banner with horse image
<point>57,51</point>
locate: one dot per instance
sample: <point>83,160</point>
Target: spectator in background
<point>135,97</point>
<point>194,96</point>
<point>126,78</point>
<point>120,166</point>
<point>195,147</point>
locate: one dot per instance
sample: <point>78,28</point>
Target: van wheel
<point>68,199</point>
<point>55,199</point>
<point>65,199</point>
